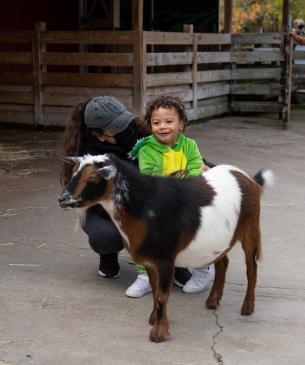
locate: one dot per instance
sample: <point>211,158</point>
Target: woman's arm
<point>195,164</point>
<point>298,38</point>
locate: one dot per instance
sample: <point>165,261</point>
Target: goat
<point>166,221</point>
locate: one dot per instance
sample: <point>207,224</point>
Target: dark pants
<point>104,238</point>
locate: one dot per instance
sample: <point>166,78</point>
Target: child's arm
<point>195,165</point>
<point>149,163</point>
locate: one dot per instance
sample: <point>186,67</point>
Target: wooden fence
<point>298,67</point>
<point>49,72</point>
<point>257,77</point>
<point>195,67</point>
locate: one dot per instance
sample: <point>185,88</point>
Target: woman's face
<point>105,136</point>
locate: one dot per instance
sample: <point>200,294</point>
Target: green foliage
<point>251,15</point>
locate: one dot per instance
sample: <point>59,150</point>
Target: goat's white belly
<point>210,242</point>
<point>218,221</point>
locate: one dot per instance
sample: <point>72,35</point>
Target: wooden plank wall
<point>104,67</point>
<point>298,67</point>
<point>56,81</point>
<point>61,69</point>
<point>16,78</point>
<point>193,66</point>
<point>257,73</point>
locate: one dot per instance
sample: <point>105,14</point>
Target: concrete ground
<point>55,309</point>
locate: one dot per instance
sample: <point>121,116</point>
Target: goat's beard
<point>80,219</point>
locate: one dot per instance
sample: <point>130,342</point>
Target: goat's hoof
<point>159,333</point>
<point>212,303</point>
<point>247,309</point>
<point>153,317</point>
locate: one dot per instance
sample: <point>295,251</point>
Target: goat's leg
<point>160,330</point>
<point>250,246</point>
<point>216,293</point>
<point>153,283</point>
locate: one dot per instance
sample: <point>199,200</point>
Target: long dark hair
<point>71,142</point>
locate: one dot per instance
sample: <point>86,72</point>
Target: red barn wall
<point>23,14</point>
<point>19,15</point>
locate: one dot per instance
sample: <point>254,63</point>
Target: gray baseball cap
<point>107,112</point>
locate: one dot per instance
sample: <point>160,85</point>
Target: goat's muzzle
<point>66,200</point>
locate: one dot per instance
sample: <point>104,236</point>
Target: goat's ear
<point>72,160</point>
<point>107,172</point>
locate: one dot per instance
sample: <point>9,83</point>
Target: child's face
<point>166,125</point>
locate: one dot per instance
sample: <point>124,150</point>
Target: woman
<point>297,31</point>
<point>104,125</point>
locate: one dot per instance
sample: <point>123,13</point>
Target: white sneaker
<point>140,287</point>
<point>199,280</point>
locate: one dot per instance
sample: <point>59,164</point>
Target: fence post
<point>139,71</point>
<point>37,49</point>
<point>228,11</point>
<point>195,75</point>
<point>288,47</point>
<point>189,28</point>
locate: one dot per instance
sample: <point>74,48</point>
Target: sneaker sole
<point>137,296</point>
<point>108,276</point>
<point>178,283</point>
<point>194,292</point>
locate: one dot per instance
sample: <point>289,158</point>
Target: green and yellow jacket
<point>159,159</point>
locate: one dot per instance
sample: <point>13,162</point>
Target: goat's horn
<point>72,160</point>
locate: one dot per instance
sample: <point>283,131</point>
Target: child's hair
<point>167,102</point>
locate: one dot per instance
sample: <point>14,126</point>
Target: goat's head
<point>90,182</point>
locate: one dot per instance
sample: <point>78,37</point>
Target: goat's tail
<point>264,178</point>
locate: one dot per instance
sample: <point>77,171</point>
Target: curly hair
<point>167,102</point>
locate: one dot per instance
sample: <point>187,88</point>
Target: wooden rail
<point>297,66</point>
<point>49,72</point>
<point>258,74</point>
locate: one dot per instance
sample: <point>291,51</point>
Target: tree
<point>263,15</point>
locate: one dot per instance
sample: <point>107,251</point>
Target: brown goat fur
<point>168,221</point>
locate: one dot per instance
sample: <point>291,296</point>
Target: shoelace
<point>198,276</point>
<point>141,282</point>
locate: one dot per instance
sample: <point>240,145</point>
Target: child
<point>165,152</point>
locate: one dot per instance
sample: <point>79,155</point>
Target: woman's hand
<point>293,31</point>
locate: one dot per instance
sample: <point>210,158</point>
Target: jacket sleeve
<point>194,159</point>
<point>299,39</point>
<point>149,163</point>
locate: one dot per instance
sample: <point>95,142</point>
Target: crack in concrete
<point>265,287</point>
<point>216,355</point>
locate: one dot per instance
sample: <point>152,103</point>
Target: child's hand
<point>204,168</point>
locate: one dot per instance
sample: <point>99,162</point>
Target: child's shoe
<point>140,287</point>
<point>199,280</point>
